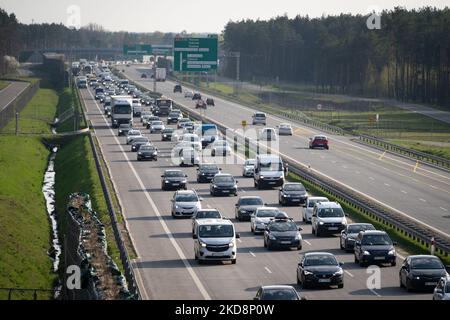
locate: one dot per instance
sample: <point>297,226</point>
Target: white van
<point>215,239</point>
<point>269,171</point>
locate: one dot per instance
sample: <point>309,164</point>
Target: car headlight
<point>272,237</point>
<point>392,252</point>
<point>155,153</point>
<point>366,253</point>
<point>340,272</point>
<point>285,195</point>
<point>120,131</point>
<point>298,236</point>
<point>307,273</point>
<point>321,223</point>
<point>261,177</point>
<point>166,181</point>
<point>231,245</point>
<point>417,278</point>
<point>177,207</point>
<point>139,153</point>
<point>242,211</point>
<point>214,186</point>
<point>203,245</point>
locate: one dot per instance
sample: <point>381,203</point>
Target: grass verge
<point>3,84</point>
<point>436,150</point>
<point>24,226</point>
<point>76,172</point>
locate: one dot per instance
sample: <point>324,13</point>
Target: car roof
<point>316,198</point>
<point>250,197</point>
<point>360,224</point>
<point>223,175</point>
<point>214,221</point>
<point>422,256</point>
<point>271,287</point>
<point>268,208</point>
<point>172,170</point>
<point>373,232</point>
<point>328,204</point>
<point>185,191</point>
<point>318,253</point>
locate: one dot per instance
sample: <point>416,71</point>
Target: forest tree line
<point>406,59</point>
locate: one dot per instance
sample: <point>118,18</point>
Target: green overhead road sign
<point>195,54</point>
<point>138,49</point>
<point>162,49</point>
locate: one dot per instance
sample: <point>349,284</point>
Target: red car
<point>318,142</point>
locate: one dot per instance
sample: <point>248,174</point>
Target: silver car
<point>442,290</point>
<point>309,207</point>
<point>157,126</point>
<point>185,203</point>
<point>285,129</point>
<point>132,134</point>
<point>261,218</point>
<point>249,168</point>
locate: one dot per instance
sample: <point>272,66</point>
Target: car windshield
<point>216,231</point>
<point>190,197</point>
<point>140,140</point>
<point>320,260</point>
<point>376,240</point>
<point>167,130</point>
<point>157,123</point>
<point>118,109</point>
<point>224,179</point>
<point>208,215</point>
<point>294,187</point>
<point>251,202</point>
<point>147,148</point>
<point>283,226</point>
<point>267,213</point>
<point>134,133</point>
<point>250,162</point>
<point>176,114</point>
<point>271,166</point>
<point>312,202</point>
<point>426,263</point>
<point>209,167</point>
<point>279,294</point>
<point>173,174</point>
<point>124,126</point>
<point>260,115</point>
<point>360,227</point>
<point>330,213</point>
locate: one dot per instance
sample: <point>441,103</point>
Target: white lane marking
<point>375,293</point>
<point>371,178</point>
<point>178,249</point>
<point>239,240</point>
<point>252,254</point>
<point>403,191</point>
<point>209,206</point>
<point>343,184</point>
<point>387,184</point>
<point>333,161</point>
<point>443,208</point>
<point>307,242</point>
<point>400,256</point>
<point>434,187</point>
<point>357,172</point>
<point>423,200</point>
<point>351,275</point>
<point>267,269</point>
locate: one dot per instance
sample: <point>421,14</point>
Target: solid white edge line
<point>179,251</point>
<point>347,272</point>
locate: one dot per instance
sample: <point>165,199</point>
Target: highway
<point>419,191</point>
<point>8,94</point>
<point>165,266</point>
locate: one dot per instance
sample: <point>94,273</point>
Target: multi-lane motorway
<point>165,266</point>
<point>9,93</point>
<point>421,192</point>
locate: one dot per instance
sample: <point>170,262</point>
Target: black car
<point>123,129</point>
<point>282,232</point>
<point>210,102</point>
<point>349,234</point>
<point>246,206</point>
<point>292,193</point>
<point>177,88</point>
<point>173,179</point>
<point>374,246</point>
<point>166,134</point>
<point>196,96</point>
<point>147,152</point>
<point>320,269</point>
<point>138,142</point>
<point>277,293</point>
<point>206,172</point>
<point>224,184</point>
<point>421,272</point>
<point>173,117</point>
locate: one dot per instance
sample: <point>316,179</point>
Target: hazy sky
<point>189,15</point>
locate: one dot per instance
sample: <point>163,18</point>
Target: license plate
<point>295,200</point>
<point>332,228</point>
<point>324,280</point>
<point>226,191</point>
<point>430,283</point>
<point>272,182</point>
<point>285,242</point>
<point>217,254</point>
<point>175,184</point>
<point>378,258</point>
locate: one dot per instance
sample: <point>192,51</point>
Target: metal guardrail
<point>380,213</point>
<point>420,156</point>
<point>298,116</point>
<point>124,256</point>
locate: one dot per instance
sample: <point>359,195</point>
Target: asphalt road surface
<point>8,94</point>
<point>421,192</point>
<point>165,266</point>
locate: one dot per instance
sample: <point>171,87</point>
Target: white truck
<point>160,74</point>
<point>121,110</point>
<point>269,171</point>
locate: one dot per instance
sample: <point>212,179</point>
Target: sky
<point>189,15</point>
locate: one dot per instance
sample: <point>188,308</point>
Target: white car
<point>309,207</point>
<point>259,118</point>
<point>220,147</point>
<point>285,129</point>
<point>188,94</point>
<point>185,203</point>
<point>186,144</point>
<point>268,134</point>
<point>189,157</point>
<point>132,134</point>
<point>262,217</point>
<point>204,214</point>
<point>157,126</point>
<point>193,139</point>
<point>249,168</point>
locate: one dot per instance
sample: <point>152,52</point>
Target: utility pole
<point>17,123</point>
<point>154,74</point>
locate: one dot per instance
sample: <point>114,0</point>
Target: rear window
<point>331,213</point>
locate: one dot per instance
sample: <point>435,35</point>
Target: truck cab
<point>163,107</point>
<point>269,171</point>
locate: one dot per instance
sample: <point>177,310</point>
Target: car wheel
<point>312,230</point>
<point>298,281</point>
<point>408,286</point>
<point>195,257</point>
<point>356,259</point>
<point>173,215</point>
<point>340,286</point>
<point>252,229</point>
<point>340,244</point>
<point>233,261</point>
<point>393,263</point>
<point>304,285</point>
<point>362,263</point>
<point>265,243</point>
<point>200,261</point>
<point>401,282</point>
<point>317,232</point>
<point>299,248</point>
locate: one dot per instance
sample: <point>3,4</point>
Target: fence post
<point>17,123</point>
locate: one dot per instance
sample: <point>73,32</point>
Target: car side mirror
<point>300,229</point>
<point>394,243</point>
<point>341,264</point>
<point>201,199</point>
<point>236,205</point>
<point>347,215</point>
<point>237,181</point>
<point>265,204</point>
<point>162,176</point>
<point>238,236</point>
<point>185,175</point>
<point>194,237</point>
